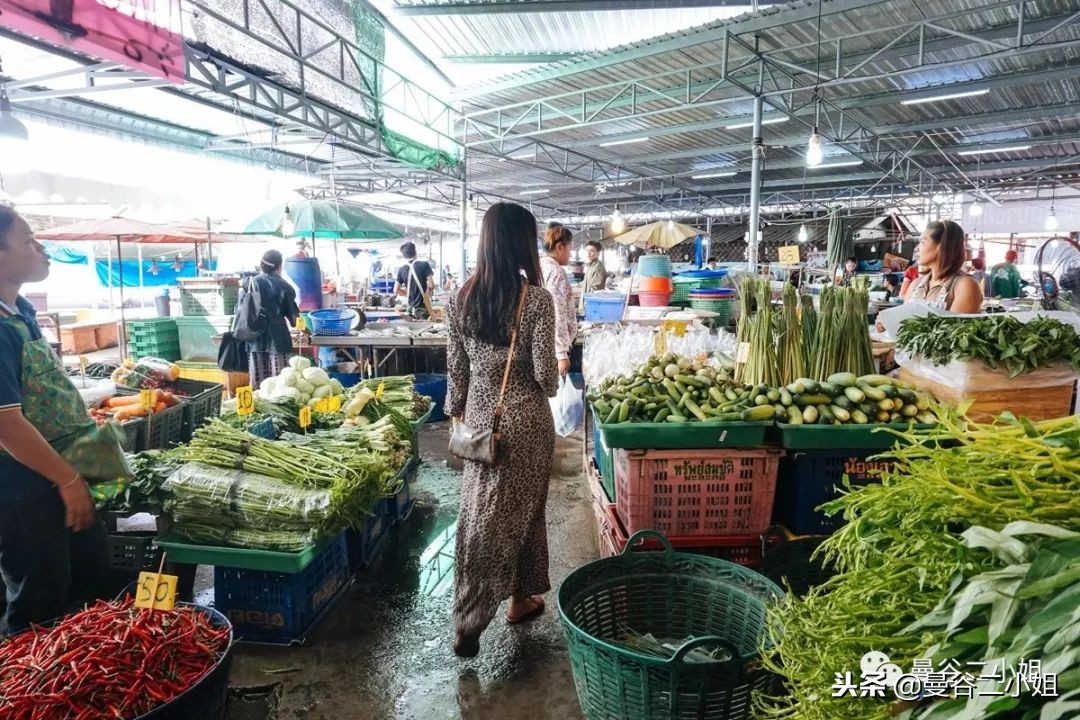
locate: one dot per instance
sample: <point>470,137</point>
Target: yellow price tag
<point>301,323</point>
<point>155,591</point>
<point>245,400</point>
<point>381,389</point>
<point>789,255</point>
<point>146,399</point>
<point>660,343</point>
<point>305,417</point>
<point>322,405</point>
<point>678,327</point>
<point>335,403</point>
<point>84,362</point>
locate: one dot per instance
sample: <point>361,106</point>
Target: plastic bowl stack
<point>655,288</point>
<point>717,300</point>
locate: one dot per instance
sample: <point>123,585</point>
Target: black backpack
<point>251,320</point>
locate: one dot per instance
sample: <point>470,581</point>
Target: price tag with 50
<point>155,591</point>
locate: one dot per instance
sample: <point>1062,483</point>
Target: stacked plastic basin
<point>685,283</point>
<point>654,278</point>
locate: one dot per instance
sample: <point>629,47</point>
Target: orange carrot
<point>129,411</point>
<point>121,401</point>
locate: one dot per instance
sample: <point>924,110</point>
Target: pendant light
<point>814,153</point>
<point>154,269</point>
<point>618,222</point>
<point>178,264</point>
<point>1051,222</point>
<point>976,208</point>
<point>802,233</point>
<point>287,226</point>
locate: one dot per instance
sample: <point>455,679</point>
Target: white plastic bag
<point>567,407</point>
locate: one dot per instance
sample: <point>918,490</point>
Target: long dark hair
<point>507,249</point>
<point>952,251</point>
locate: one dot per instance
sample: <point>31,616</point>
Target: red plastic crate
<point>704,493</point>
<point>745,550</point>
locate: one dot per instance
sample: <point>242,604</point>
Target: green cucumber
<point>804,400</point>
<point>677,419</point>
<point>812,386</point>
<point>693,408</point>
<point>794,417</point>
<point>810,414</point>
<point>855,394</point>
<point>624,411</point>
<point>859,417</point>
<point>840,413</point>
<point>844,379</point>
<point>785,397</point>
<point>759,413</point>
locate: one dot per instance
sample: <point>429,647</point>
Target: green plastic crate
<point>157,330</point>
<point>186,553</point>
<point>684,436</point>
<point>849,437</point>
<point>165,351</point>
<point>195,335</point>
<point>722,308</point>
<point>219,300</point>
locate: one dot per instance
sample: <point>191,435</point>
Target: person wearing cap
<point>275,300</point>
<point>1005,279</point>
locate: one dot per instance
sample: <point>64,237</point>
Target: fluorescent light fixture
<point>624,142</point>
<point>840,163</point>
<point>986,151</point>
<point>534,192</point>
<point>764,121</point>
<point>522,156</point>
<point>726,173</point>
<point>947,96</point>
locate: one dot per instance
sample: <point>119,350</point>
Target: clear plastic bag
<point>568,408</point>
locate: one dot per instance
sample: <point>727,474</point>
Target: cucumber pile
<point>670,389</point>
<point>676,390</point>
<point>845,398</point>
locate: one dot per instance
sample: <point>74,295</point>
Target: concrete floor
<point>385,650</point>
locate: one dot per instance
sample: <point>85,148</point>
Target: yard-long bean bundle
<point>902,550</point>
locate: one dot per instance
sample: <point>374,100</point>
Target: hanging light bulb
<point>976,208</point>
<point>154,269</point>
<point>618,222</point>
<point>802,234</point>
<point>814,154</point>
<point>287,226</point>
<point>178,264</point>
<point>1051,223</point>
<point>671,225</point>
<point>873,248</point>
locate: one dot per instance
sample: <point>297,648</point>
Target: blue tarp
<point>166,276</point>
<point>65,255</point>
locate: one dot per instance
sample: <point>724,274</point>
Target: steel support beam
<point>508,59</point>
<point>499,7</point>
<point>757,152</point>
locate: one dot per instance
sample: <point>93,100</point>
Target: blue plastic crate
<point>400,506</point>
<point>604,308</point>
<point>277,607</point>
<point>365,542</point>
<point>808,479</point>
<point>434,387</point>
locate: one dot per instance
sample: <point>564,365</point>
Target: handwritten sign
<point>322,405</point>
<point>789,255</point>
<point>305,417</point>
<point>301,324</point>
<point>146,399</point>
<point>743,353</point>
<point>155,591</point>
<point>84,362</point>
<point>141,35</point>
<point>381,389</point>
<point>334,403</point>
<point>245,400</point>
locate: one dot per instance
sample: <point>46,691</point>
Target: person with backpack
<point>260,328</point>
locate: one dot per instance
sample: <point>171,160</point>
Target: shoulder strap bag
<point>482,446</point>
<point>423,289</point>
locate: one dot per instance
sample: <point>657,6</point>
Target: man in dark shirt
<point>414,280</point>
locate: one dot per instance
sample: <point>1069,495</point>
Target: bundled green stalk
<point>399,393</point>
<point>842,341</point>
<point>761,364</point>
<point>809,329</point>
<point>902,552</point>
<point>746,310</point>
<point>791,347</point>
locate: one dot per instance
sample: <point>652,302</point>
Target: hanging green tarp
<point>371,37</point>
<point>413,153</point>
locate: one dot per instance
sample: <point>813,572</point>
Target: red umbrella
<point>122,230</point>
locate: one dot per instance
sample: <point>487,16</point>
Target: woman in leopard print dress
<point>502,530</point>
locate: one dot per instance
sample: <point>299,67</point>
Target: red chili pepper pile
<point>111,661</point>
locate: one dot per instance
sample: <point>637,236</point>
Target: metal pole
<point>142,286</point>
<point>108,255</point>
<point>757,149</point>
<point>123,312</point>
<point>464,209</point>
<point>209,249</point>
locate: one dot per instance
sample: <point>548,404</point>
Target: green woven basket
<point>669,595</point>
<point>721,307</point>
<point>681,288</point>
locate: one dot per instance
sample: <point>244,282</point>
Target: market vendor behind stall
<point>53,552</point>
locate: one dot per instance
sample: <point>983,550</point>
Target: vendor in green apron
<point>53,551</point>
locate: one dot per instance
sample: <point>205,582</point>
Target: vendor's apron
<point>51,403</point>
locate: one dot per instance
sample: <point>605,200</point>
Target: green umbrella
<point>840,247</point>
<point>324,219</point>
